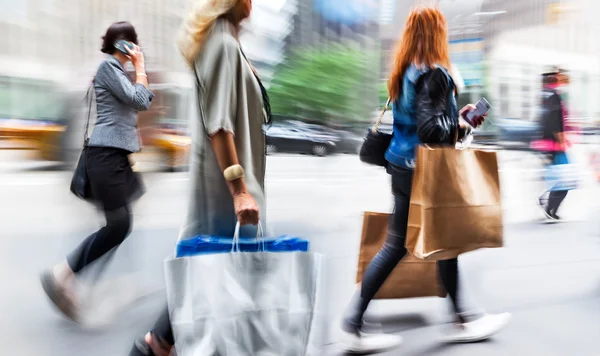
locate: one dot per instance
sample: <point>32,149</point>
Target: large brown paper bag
<point>455,205</point>
<point>412,278</point>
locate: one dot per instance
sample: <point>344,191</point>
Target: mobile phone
<point>481,108</point>
<point>121,44</point>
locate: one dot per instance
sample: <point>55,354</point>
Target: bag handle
<point>236,237</point>
<point>378,122</point>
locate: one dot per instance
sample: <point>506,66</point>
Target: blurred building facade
<point>157,23</point>
<point>61,39</point>
<point>266,34</point>
<point>392,17</point>
<point>502,46</point>
<point>57,42</point>
<point>352,23</point>
<point>322,21</point>
<point>533,36</point>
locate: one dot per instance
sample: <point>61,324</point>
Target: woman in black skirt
<point>113,183</point>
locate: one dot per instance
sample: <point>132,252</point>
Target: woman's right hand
<point>246,208</point>
<point>137,56</point>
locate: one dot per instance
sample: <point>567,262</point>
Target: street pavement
<point>548,275</point>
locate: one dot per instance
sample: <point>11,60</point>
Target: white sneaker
<point>478,330</point>
<point>369,343</point>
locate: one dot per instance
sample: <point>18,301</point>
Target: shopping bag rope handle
<point>457,147</point>
<point>236,237</point>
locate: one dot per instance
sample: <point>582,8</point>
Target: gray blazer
<point>118,101</point>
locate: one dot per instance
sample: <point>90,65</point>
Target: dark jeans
<point>162,328</point>
<point>117,228</point>
<point>392,252</point>
<point>555,198</point>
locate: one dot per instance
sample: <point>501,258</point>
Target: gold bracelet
<point>142,75</point>
<point>234,172</point>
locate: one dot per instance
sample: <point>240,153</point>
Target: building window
<point>526,103</point>
<point>504,100</point>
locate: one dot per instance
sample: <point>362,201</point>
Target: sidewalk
<point>540,266</point>
<point>547,275</point>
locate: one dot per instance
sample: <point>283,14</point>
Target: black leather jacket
<point>435,124</point>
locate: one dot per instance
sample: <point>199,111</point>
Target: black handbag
<point>376,143</point>
<point>80,183</point>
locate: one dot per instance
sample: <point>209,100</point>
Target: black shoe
<point>545,210</point>
<point>554,216</point>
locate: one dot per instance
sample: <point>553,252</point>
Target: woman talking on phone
<point>113,183</point>
<point>425,112</point>
<point>228,158</point>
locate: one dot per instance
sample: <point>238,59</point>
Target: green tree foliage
<point>331,83</point>
<point>383,93</point>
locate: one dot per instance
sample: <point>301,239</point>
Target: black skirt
<point>113,182</point>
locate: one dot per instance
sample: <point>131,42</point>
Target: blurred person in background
<point>113,183</point>
<point>425,112</point>
<point>554,140</point>
<point>228,156</point>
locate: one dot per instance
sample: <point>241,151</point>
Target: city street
<point>548,275</point>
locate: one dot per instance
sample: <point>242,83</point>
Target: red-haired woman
<point>425,112</point>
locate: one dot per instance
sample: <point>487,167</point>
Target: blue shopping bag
<point>561,158</point>
<point>205,244</point>
<point>562,174</point>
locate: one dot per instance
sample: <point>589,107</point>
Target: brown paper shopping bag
<point>412,278</point>
<point>455,204</point>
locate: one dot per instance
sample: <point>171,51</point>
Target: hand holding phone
<point>122,46</point>
<point>474,114</point>
<point>133,51</point>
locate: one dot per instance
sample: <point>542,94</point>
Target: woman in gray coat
<point>228,158</point>
<point>113,183</point>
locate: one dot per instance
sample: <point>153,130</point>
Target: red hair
<point>424,42</point>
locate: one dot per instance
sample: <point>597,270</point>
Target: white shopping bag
<point>235,304</point>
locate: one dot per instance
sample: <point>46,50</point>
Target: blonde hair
<point>199,24</point>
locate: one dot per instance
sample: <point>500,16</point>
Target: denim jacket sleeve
<point>434,124</point>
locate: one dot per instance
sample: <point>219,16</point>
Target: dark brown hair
<point>550,78</point>
<point>122,30</point>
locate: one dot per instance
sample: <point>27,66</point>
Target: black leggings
<point>392,252</point>
<point>162,328</point>
<point>117,228</point>
<point>555,198</point>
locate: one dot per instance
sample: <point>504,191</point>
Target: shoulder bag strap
<point>90,98</point>
<point>263,91</point>
<point>380,118</point>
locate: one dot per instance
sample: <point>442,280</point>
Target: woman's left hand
<point>477,121</point>
<point>137,57</point>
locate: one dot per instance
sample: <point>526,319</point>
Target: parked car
<point>288,138</point>
<point>345,141</point>
<point>349,143</point>
<point>517,132</point>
